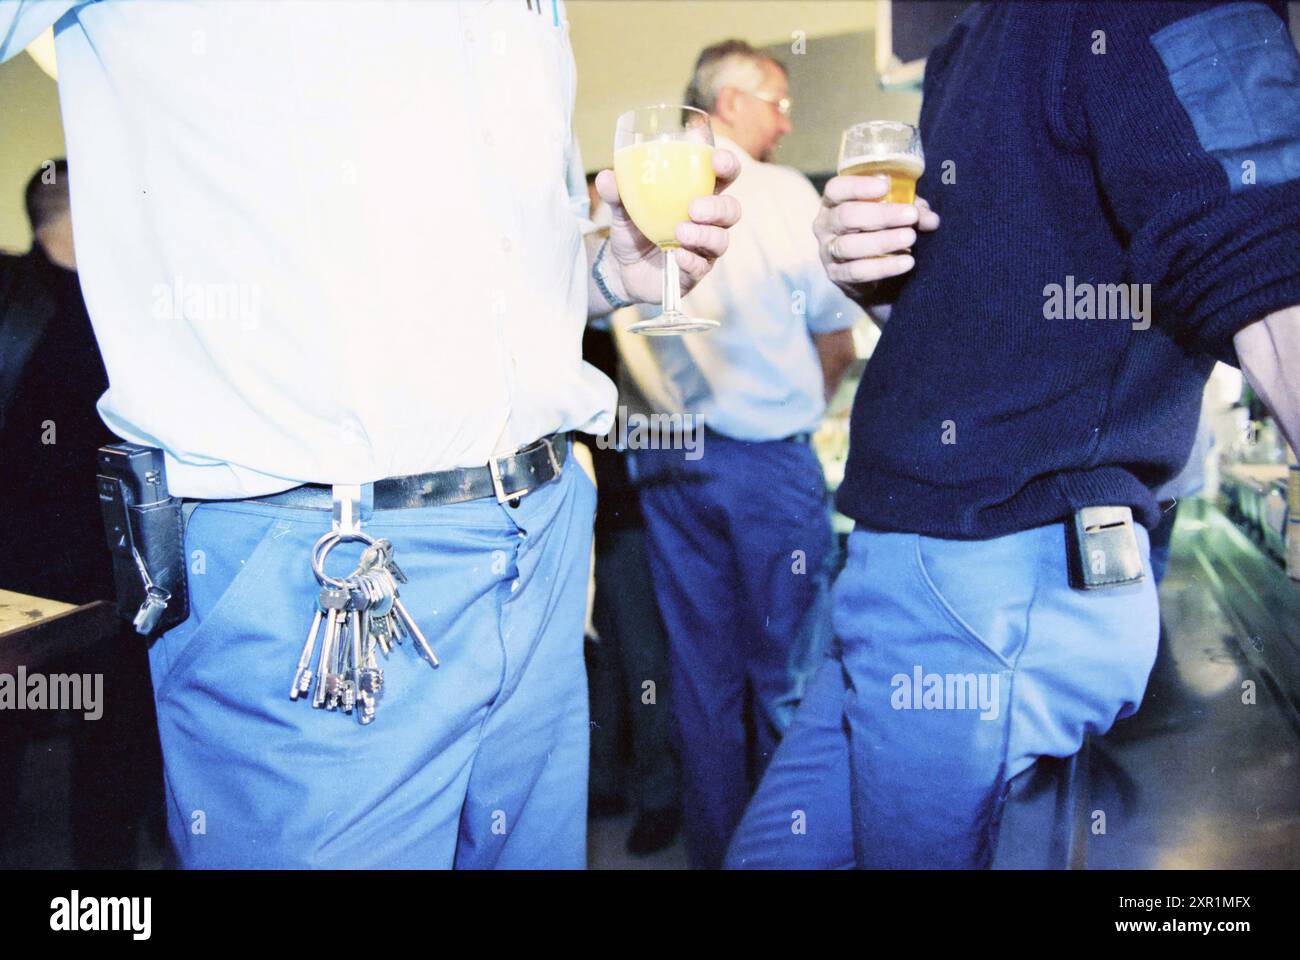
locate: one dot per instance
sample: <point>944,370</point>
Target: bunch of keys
<point>361,614</point>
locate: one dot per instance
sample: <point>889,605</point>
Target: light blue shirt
<point>325,242</point>
<point>757,376</point>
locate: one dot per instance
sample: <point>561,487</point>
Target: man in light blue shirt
<point>739,529</point>
<point>280,319</point>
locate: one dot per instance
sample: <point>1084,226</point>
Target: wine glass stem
<point>672,284</point>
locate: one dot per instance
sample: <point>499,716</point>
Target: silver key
<point>377,620</point>
<point>363,600</point>
<point>334,601</point>
<point>371,558</point>
<point>352,684</point>
<point>338,655</point>
<point>372,678</point>
<point>372,684</point>
<point>403,616</point>
<point>396,629</point>
<point>385,548</point>
<point>302,676</point>
<point>413,629</point>
<point>366,708</point>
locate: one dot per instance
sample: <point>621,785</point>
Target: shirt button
<point>469,36</point>
<point>490,140</point>
<point>505,245</point>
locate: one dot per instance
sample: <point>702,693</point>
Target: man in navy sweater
<point>1070,148</point>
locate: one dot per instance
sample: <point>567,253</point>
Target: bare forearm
<point>1269,353</point>
<point>836,352</point>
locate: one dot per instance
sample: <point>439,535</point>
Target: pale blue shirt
<point>327,241</point>
<point>757,376</point>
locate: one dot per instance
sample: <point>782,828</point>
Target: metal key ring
<point>322,549</point>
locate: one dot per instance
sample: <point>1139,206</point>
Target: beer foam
<point>906,160</point>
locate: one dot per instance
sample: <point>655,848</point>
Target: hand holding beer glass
<point>883,148</point>
<point>663,159</point>
<point>870,211</point>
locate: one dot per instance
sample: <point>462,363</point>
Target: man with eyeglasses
<point>738,528</point>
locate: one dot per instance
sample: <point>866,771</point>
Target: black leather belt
<point>505,478</point>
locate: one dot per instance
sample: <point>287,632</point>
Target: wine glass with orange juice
<point>663,159</point>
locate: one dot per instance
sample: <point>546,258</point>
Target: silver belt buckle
<point>494,468</point>
<point>550,452</point>
<point>1104,549</point>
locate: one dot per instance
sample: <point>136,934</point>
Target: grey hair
<point>731,63</point>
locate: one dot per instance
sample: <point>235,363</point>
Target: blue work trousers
<point>479,763</point>
<point>957,665</point>
<point>739,541</point>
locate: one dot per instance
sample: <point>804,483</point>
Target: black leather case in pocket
<point>158,533</point>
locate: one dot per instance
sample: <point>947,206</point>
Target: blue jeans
<point>738,545</point>
<point>480,763</point>
<point>958,664</point>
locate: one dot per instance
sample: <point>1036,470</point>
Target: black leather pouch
<point>146,536</point>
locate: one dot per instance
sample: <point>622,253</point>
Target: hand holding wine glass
<point>664,196</point>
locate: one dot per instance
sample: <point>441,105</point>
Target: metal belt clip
<point>155,600</point>
<point>1104,549</point>
<point>350,501</point>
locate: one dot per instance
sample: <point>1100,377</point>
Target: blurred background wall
<point>30,131</point>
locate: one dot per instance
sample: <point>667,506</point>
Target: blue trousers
<point>738,544</point>
<point>480,763</point>
<point>957,665</point>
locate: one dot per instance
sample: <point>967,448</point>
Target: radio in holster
<point>146,536</point>
<point>1103,548</point>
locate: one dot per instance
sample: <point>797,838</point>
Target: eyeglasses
<point>783,104</point>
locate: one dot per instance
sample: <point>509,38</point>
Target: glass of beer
<point>884,148</point>
<point>663,159</point>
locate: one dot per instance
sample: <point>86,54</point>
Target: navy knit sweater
<point>995,403</point>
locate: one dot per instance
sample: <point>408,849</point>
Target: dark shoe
<point>654,830</point>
